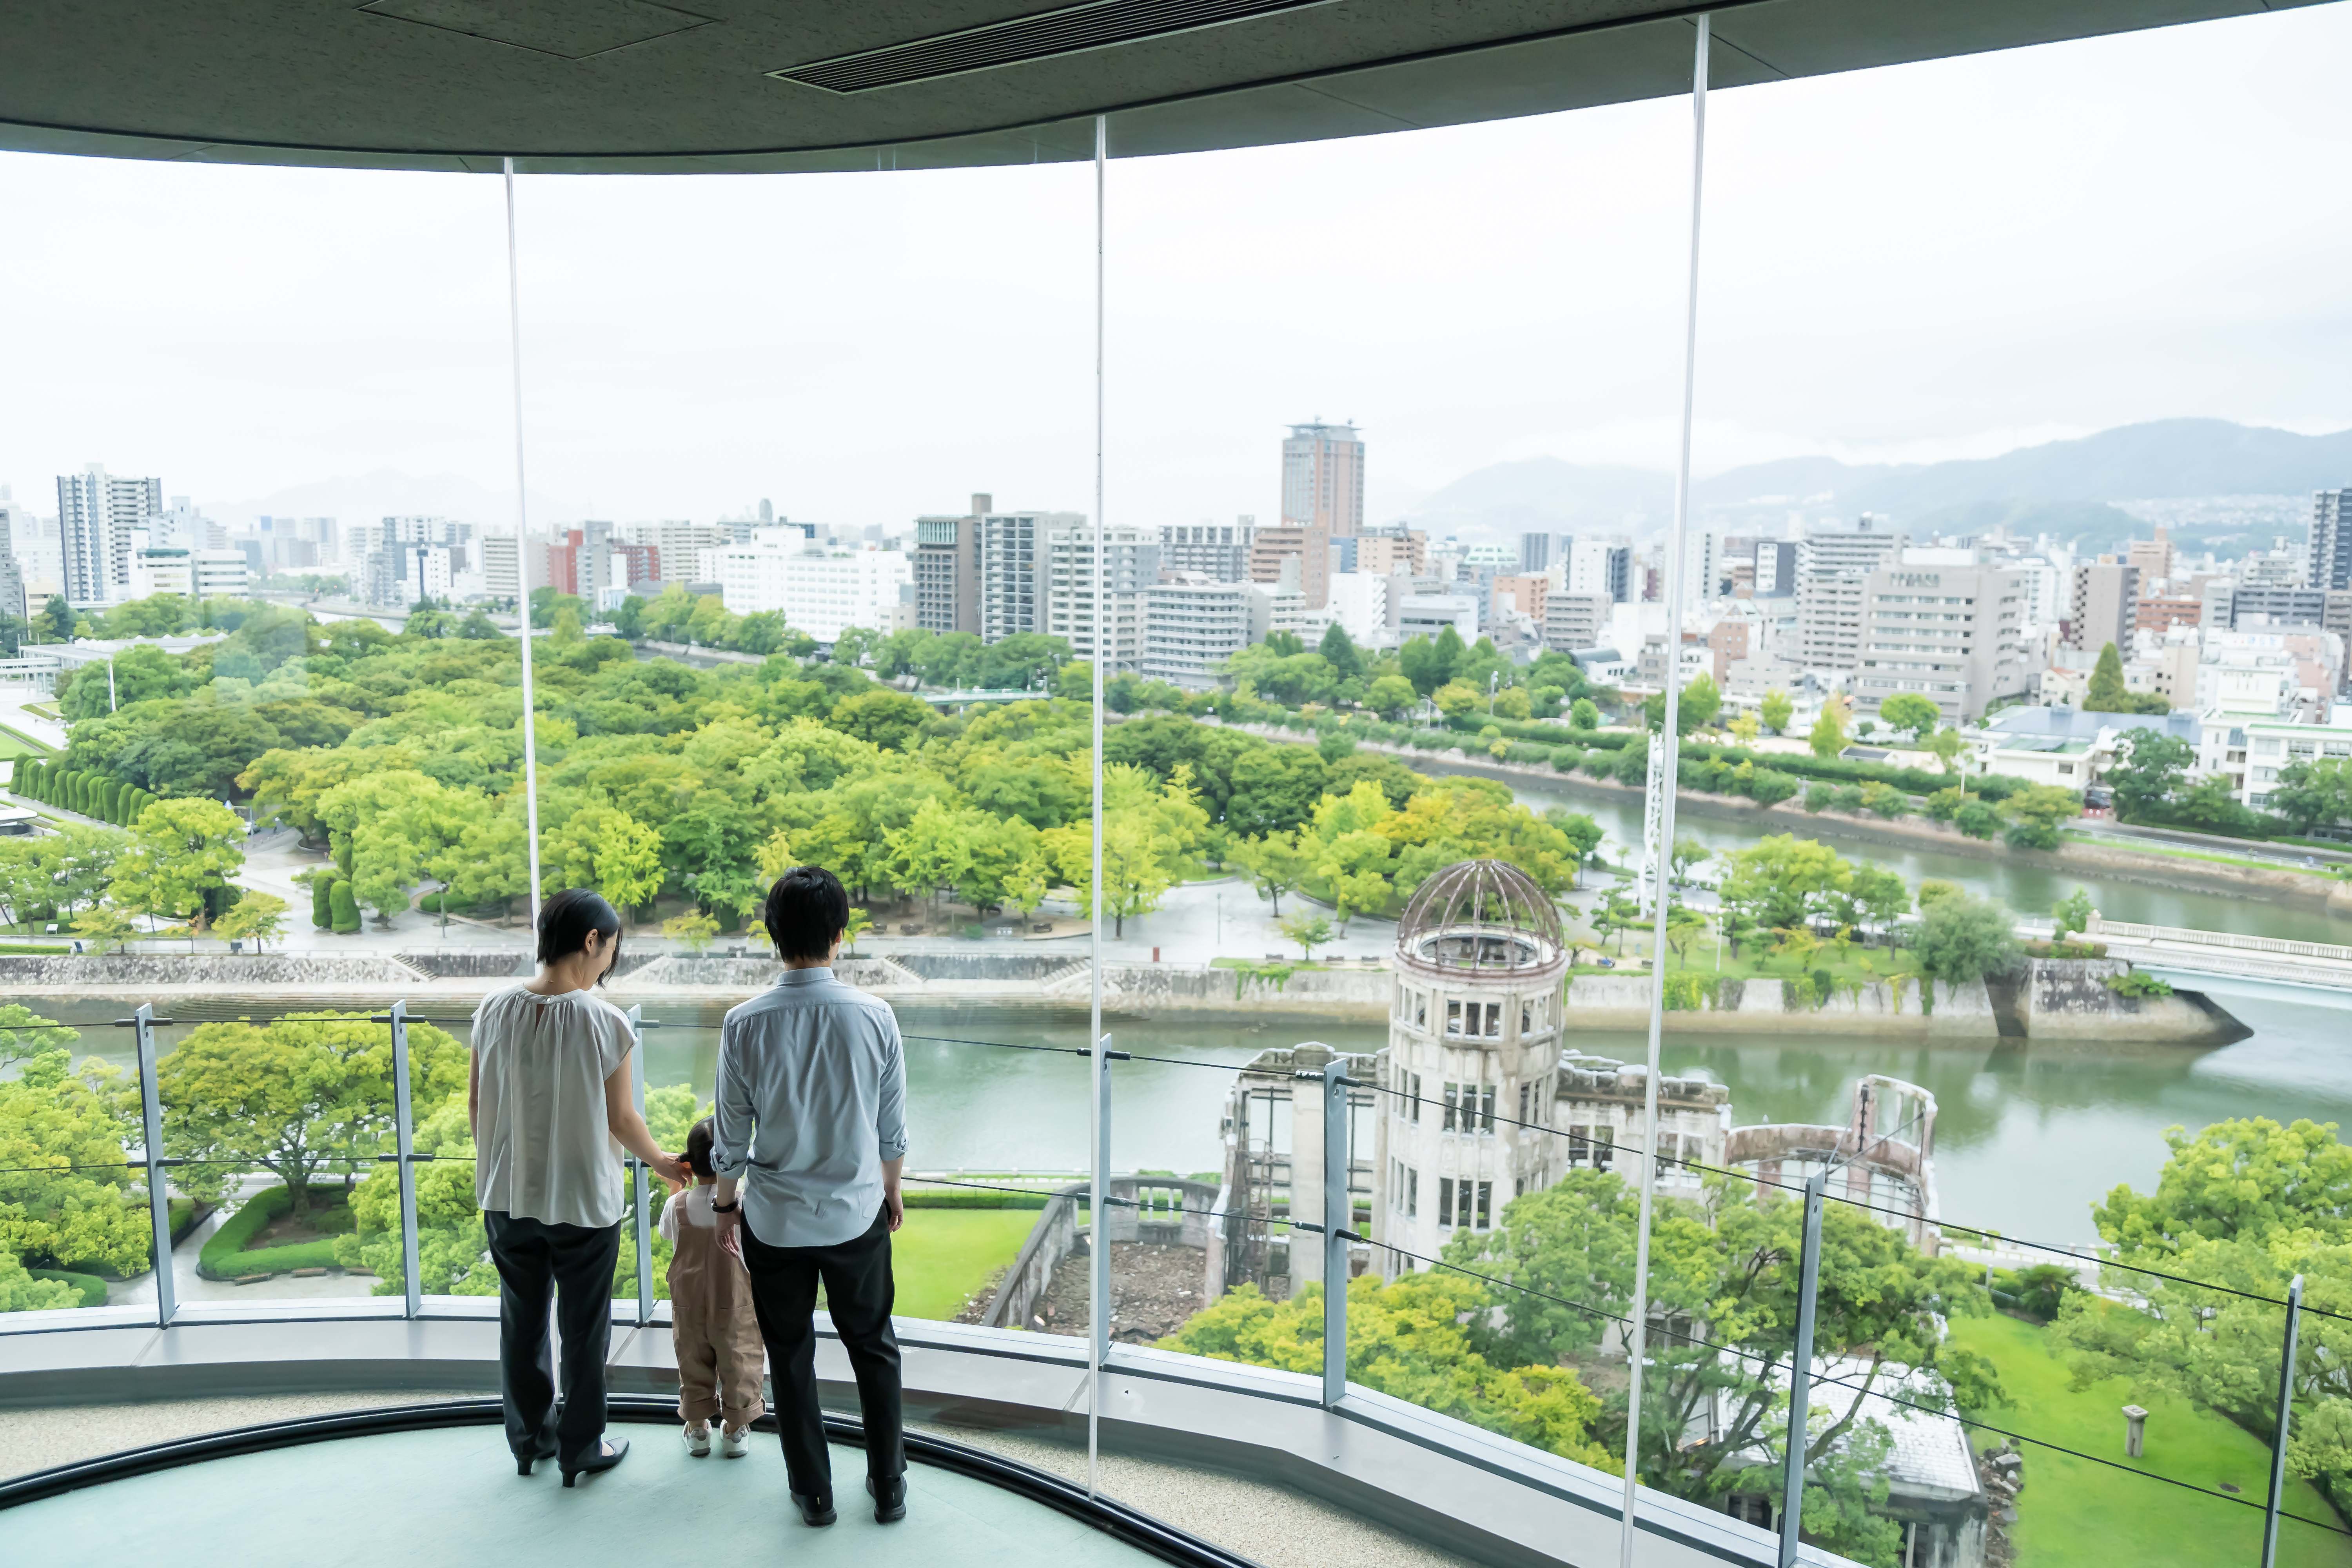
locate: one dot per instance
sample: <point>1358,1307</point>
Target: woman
<point>549,1102</point>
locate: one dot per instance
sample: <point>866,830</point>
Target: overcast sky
<point>1932,260</point>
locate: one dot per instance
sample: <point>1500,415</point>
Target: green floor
<point>451,1499</point>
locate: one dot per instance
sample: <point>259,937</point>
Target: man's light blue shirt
<point>811,1100</point>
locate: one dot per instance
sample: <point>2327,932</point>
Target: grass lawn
<point>13,744</point>
<point>2153,846</point>
<point>943,1257</point>
<point>2075,1514</point>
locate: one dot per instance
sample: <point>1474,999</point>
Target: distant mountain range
<point>2065,488</point>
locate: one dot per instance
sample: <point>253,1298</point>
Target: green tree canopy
<point>300,1097</point>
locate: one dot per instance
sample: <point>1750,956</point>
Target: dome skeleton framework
<point>1480,917</point>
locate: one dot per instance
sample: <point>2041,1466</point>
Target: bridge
<point>2219,955</point>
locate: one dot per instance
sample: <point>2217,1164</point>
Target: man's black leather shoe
<point>815,1511</point>
<point>889,1499</point>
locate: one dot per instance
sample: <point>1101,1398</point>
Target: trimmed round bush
<point>345,908</point>
<point>322,911</point>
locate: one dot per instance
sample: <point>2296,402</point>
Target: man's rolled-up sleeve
<point>732,1125</point>
<point>891,1105</point>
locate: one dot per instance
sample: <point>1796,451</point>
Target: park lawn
<point>2077,1514</point>
<point>14,744</point>
<point>2178,852</point>
<point>942,1257</point>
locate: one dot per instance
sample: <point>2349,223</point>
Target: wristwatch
<point>718,1207</point>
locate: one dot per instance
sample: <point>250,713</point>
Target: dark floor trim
<point>1122,1523</point>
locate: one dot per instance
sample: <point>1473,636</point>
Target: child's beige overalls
<point>721,1360</point>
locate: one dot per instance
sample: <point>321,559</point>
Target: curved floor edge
<point>1122,1523</point>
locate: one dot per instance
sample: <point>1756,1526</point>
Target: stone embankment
<point>2046,999</point>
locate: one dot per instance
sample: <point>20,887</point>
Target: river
<point>2028,1136</point>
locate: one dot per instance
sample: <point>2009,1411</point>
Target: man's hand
<point>729,1224</point>
<point>894,1204</point>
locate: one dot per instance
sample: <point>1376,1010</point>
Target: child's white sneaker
<point>697,1439</point>
<point>734,1445</point>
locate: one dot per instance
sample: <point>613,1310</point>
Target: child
<point>720,1359</point>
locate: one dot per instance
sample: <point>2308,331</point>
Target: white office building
<point>1599,567</point>
<point>1428,616</point>
<point>1943,625</point>
<point>820,591</point>
<point>1364,604</point>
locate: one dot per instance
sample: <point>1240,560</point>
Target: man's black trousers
<point>537,1259</point>
<point>859,1293</point>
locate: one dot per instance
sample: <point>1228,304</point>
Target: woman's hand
<point>670,1168</point>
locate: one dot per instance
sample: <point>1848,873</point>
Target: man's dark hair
<point>565,921</point>
<point>698,1140</point>
<point>807,910</point>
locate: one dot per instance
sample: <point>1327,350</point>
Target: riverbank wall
<point>2045,999</point>
<point>2145,867</point>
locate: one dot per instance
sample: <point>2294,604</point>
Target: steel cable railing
<point>1339,1237</point>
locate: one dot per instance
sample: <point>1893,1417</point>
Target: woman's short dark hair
<point>565,921</point>
<point>698,1140</point>
<point>807,908</point>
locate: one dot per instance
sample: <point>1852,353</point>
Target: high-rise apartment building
<point>1013,562</point>
<point>1391,548</point>
<point>1323,479</point>
<point>1192,628</point>
<point>2101,606</point>
<point>680,544</point>
<point>1114,632</point>
<point>12,579</point>
<point>1864,546</point>
<point>1322,496</point>
<point>1948,630</point>
<point>1599,567</point>
<point>501,568</point>
<point>2330,564</point>
<point>96,514</point>
<point>1574,622</point>
<point>1829,621</point>
<point>947,569</point>
<point>2275,609</point>
<point>1217,551</point>
<point>1538,551</point>
<point>1776,568</point>
<point>2152,556</point>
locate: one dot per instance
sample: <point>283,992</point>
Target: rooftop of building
<point>2013,725</point>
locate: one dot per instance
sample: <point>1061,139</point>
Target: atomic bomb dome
<point>1474,1047</point>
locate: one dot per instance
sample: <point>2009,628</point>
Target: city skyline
<point>691,346</point>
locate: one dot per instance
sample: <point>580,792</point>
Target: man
<point>812,1133</point>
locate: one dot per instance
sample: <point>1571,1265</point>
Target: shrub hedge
<point>344,907</point>
<point>225,1255</point>
<point>92,795</point>
<point>929,1200</point>
<point>92,1289</point>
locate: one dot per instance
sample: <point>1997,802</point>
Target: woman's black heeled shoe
<point>523,1462</point>
<point>608,1453</point>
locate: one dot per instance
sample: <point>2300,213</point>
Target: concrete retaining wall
<point>74,973</point>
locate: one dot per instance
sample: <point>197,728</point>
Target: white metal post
<point>1099,1335</point>
<point>642,1185</point>
<point>523,554</point>
<point>2286,1411</point>
<point>1800,1371</point>
<point>159,1201</point>
<point>1338,1221</point>
<point>1662,781</point>
<point>404,1122</point>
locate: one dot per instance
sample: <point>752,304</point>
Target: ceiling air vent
<point>1072,29</point>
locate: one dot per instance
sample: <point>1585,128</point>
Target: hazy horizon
<point>1941,260</point>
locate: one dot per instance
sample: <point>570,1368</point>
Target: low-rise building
<point>2066,746</point>
<point>818,590</point>
<point>2271,745</point>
